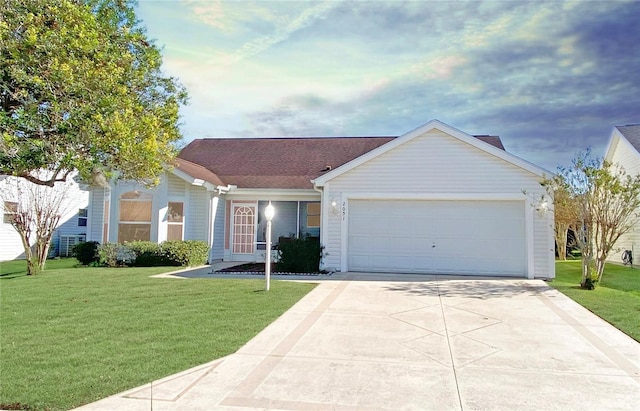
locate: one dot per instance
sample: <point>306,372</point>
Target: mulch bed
<point>258,269</point>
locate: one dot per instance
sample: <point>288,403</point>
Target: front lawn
<point>70,335</point>
<point>616,299</point>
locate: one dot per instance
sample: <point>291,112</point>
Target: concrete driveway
<point>422,343</point>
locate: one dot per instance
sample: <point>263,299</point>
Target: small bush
<point>86,252</point>
<point>148,254</point>
<point>184,253</point>
<point>116,255</point>
<point>300,255</point>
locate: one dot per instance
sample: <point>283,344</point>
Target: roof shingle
<point>285,163</point>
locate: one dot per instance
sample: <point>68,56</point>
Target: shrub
<point>184,253</point>
<point>86,252</point>
<point>115,255</point>
<point>147,254</point>
<point>300,255</point>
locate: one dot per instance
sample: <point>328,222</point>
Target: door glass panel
<point>243,230</point>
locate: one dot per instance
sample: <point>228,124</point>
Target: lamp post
<point>269,212</point>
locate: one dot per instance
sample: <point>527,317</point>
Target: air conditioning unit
<point>68,241</point>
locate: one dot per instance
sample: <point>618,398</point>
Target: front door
<point>243,235</point>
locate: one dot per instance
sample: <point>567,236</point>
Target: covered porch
<point>245,226</point>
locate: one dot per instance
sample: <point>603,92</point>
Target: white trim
<point>344,232</point>
<point>213,211</point>
<point>435,196</point>
<point>431,125</point>
<point>614,141</point>
<point>612,145</point>
<point>529,240</point>
<point>272,193</point>
<point>551,265</point>
<point>194,181</point>
<point>298,219</point>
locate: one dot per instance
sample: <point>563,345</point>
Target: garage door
<point>449,237</point>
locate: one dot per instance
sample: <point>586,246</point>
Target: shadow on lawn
<point>10,275</point>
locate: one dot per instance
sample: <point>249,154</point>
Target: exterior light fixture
<point>334,207</point>
<point>269,212</point>
<point>542,207</point>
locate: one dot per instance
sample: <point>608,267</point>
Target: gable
<point>437,153</point>
<point>631,133</point>
<point>436,162</point>
<point>622,151</point>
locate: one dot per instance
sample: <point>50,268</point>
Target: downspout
<point>323,221</point>
<point>298,222</point>
<point>213,212</point>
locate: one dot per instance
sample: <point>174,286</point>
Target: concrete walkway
<point>423,343</point>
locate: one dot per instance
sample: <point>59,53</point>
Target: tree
<point>82,89</point>
<point>35,214</point>
<point>565,217</point>
<point>606,201</point>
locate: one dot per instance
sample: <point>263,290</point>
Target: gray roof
<point>632,133</point>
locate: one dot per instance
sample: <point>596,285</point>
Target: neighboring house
<point>70,231</point>
<point>434,200</point>
<point>624,149</point>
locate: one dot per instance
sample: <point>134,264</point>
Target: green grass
<point>70,335</point>
<point>616,299</point>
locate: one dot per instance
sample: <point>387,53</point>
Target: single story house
<point>434,200</point>
<point>71,228</point>
<point>624,149</point>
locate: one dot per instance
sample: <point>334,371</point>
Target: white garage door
<point>449,237</point>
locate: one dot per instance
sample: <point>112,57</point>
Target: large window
<point>135,217</point>
<point>10,210</point>
<point>175,221</point>
<point>313,215</point>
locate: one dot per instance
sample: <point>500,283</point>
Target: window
<point>313,215</point>
<point>10,210</point>
<point>82,217</point>
<point>175,221</point>
<point>135,217</point>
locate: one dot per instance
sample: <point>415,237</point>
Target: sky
<point>550,78</point>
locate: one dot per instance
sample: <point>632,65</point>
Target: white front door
<point>243,234</point>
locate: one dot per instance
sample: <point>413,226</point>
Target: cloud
<point>261,25</point>
<point>549,77</point>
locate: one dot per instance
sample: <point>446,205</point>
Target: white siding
<point>625,155</point>
<point>437,166</point>
<point>197,217</point>
<point>95,215</point>
<point>176,187</point>
<point>217,251</point>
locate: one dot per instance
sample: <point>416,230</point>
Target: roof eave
<point>196,181</point>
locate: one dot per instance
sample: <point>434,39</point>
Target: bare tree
<point>35,214</point>
<point>606,201</point>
